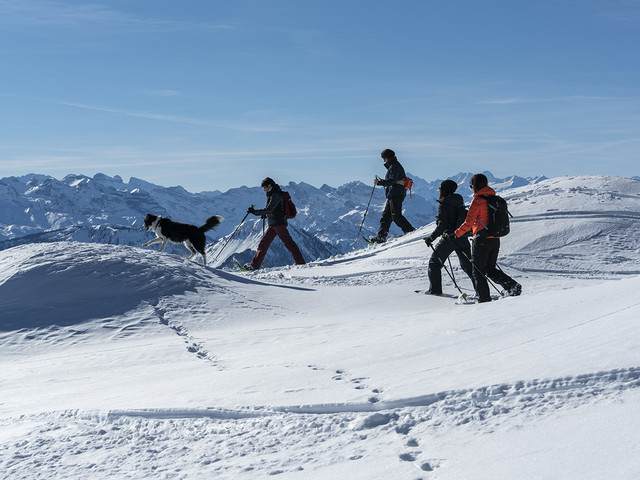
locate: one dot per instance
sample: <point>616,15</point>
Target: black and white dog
<point>169,231</point>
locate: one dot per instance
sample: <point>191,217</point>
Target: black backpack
<point>462,214</point>
<point>498,216</point>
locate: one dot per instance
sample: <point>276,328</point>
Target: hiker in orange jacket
<point>485,248</point>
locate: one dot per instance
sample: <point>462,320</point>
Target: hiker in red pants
<point>277,222</point>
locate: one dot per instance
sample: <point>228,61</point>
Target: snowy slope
<point>586,225</point>
<point>118,361</point>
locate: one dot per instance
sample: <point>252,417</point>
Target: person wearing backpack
<point>484,254</point>
<point>274,211</point>
<point>395,192</point>
<point>451,214</point>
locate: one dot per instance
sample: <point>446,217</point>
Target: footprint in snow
<point>411,457</point>
<point>359,383</point>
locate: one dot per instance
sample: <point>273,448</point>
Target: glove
<point>251,210</point>
<point>448,236</point>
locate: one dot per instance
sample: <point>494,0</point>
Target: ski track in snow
<point>247,442</point>
<point>566,215</point>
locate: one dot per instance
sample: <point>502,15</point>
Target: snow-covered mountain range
<point>102,209</point>
<point>119,362</point>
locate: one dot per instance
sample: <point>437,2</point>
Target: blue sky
<point>214,94</point>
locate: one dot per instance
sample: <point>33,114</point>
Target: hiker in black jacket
<point>277,223</point>
<point>451,214</point>
<point>395,192</point>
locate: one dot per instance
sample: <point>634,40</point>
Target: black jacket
<point>274,208</point>
<point>395,172</point>
<point>451,214</point>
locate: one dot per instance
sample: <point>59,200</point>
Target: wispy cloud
<point>566,98</point>
<point>59,14</point>
<point>162,93</point>
<point>504,101</point>
<point>176,119</point>
<point>621,11</point>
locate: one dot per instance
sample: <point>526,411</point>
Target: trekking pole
<point>474,266</point>
<point>463,295</point>
<point>365,214</point>
<point>231,236</point>
<point>451,268</point>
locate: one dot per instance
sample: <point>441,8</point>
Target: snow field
<point>122,362</point>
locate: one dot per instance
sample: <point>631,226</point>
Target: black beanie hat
<point>267,181</point>
<point>388,153</point>
<point>448,187</point>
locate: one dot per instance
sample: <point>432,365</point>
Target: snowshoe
<point>246,267</point>
<point>472,299</point>
<point>427,292</point>
<point>373,240</point>
<point>464,299</point>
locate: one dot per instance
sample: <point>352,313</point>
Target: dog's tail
<point>211,222</point>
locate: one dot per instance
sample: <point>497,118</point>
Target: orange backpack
<point>408,183</point>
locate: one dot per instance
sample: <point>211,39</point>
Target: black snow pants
<point>393,212</point>
<point>441,252</point>
<point>485,258</point>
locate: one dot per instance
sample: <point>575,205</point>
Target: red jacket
<point>478,212</point>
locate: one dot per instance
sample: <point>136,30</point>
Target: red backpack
<point>290,210</point>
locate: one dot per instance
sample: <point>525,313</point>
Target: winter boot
<point>515,290</point>
<point>377,239</point>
